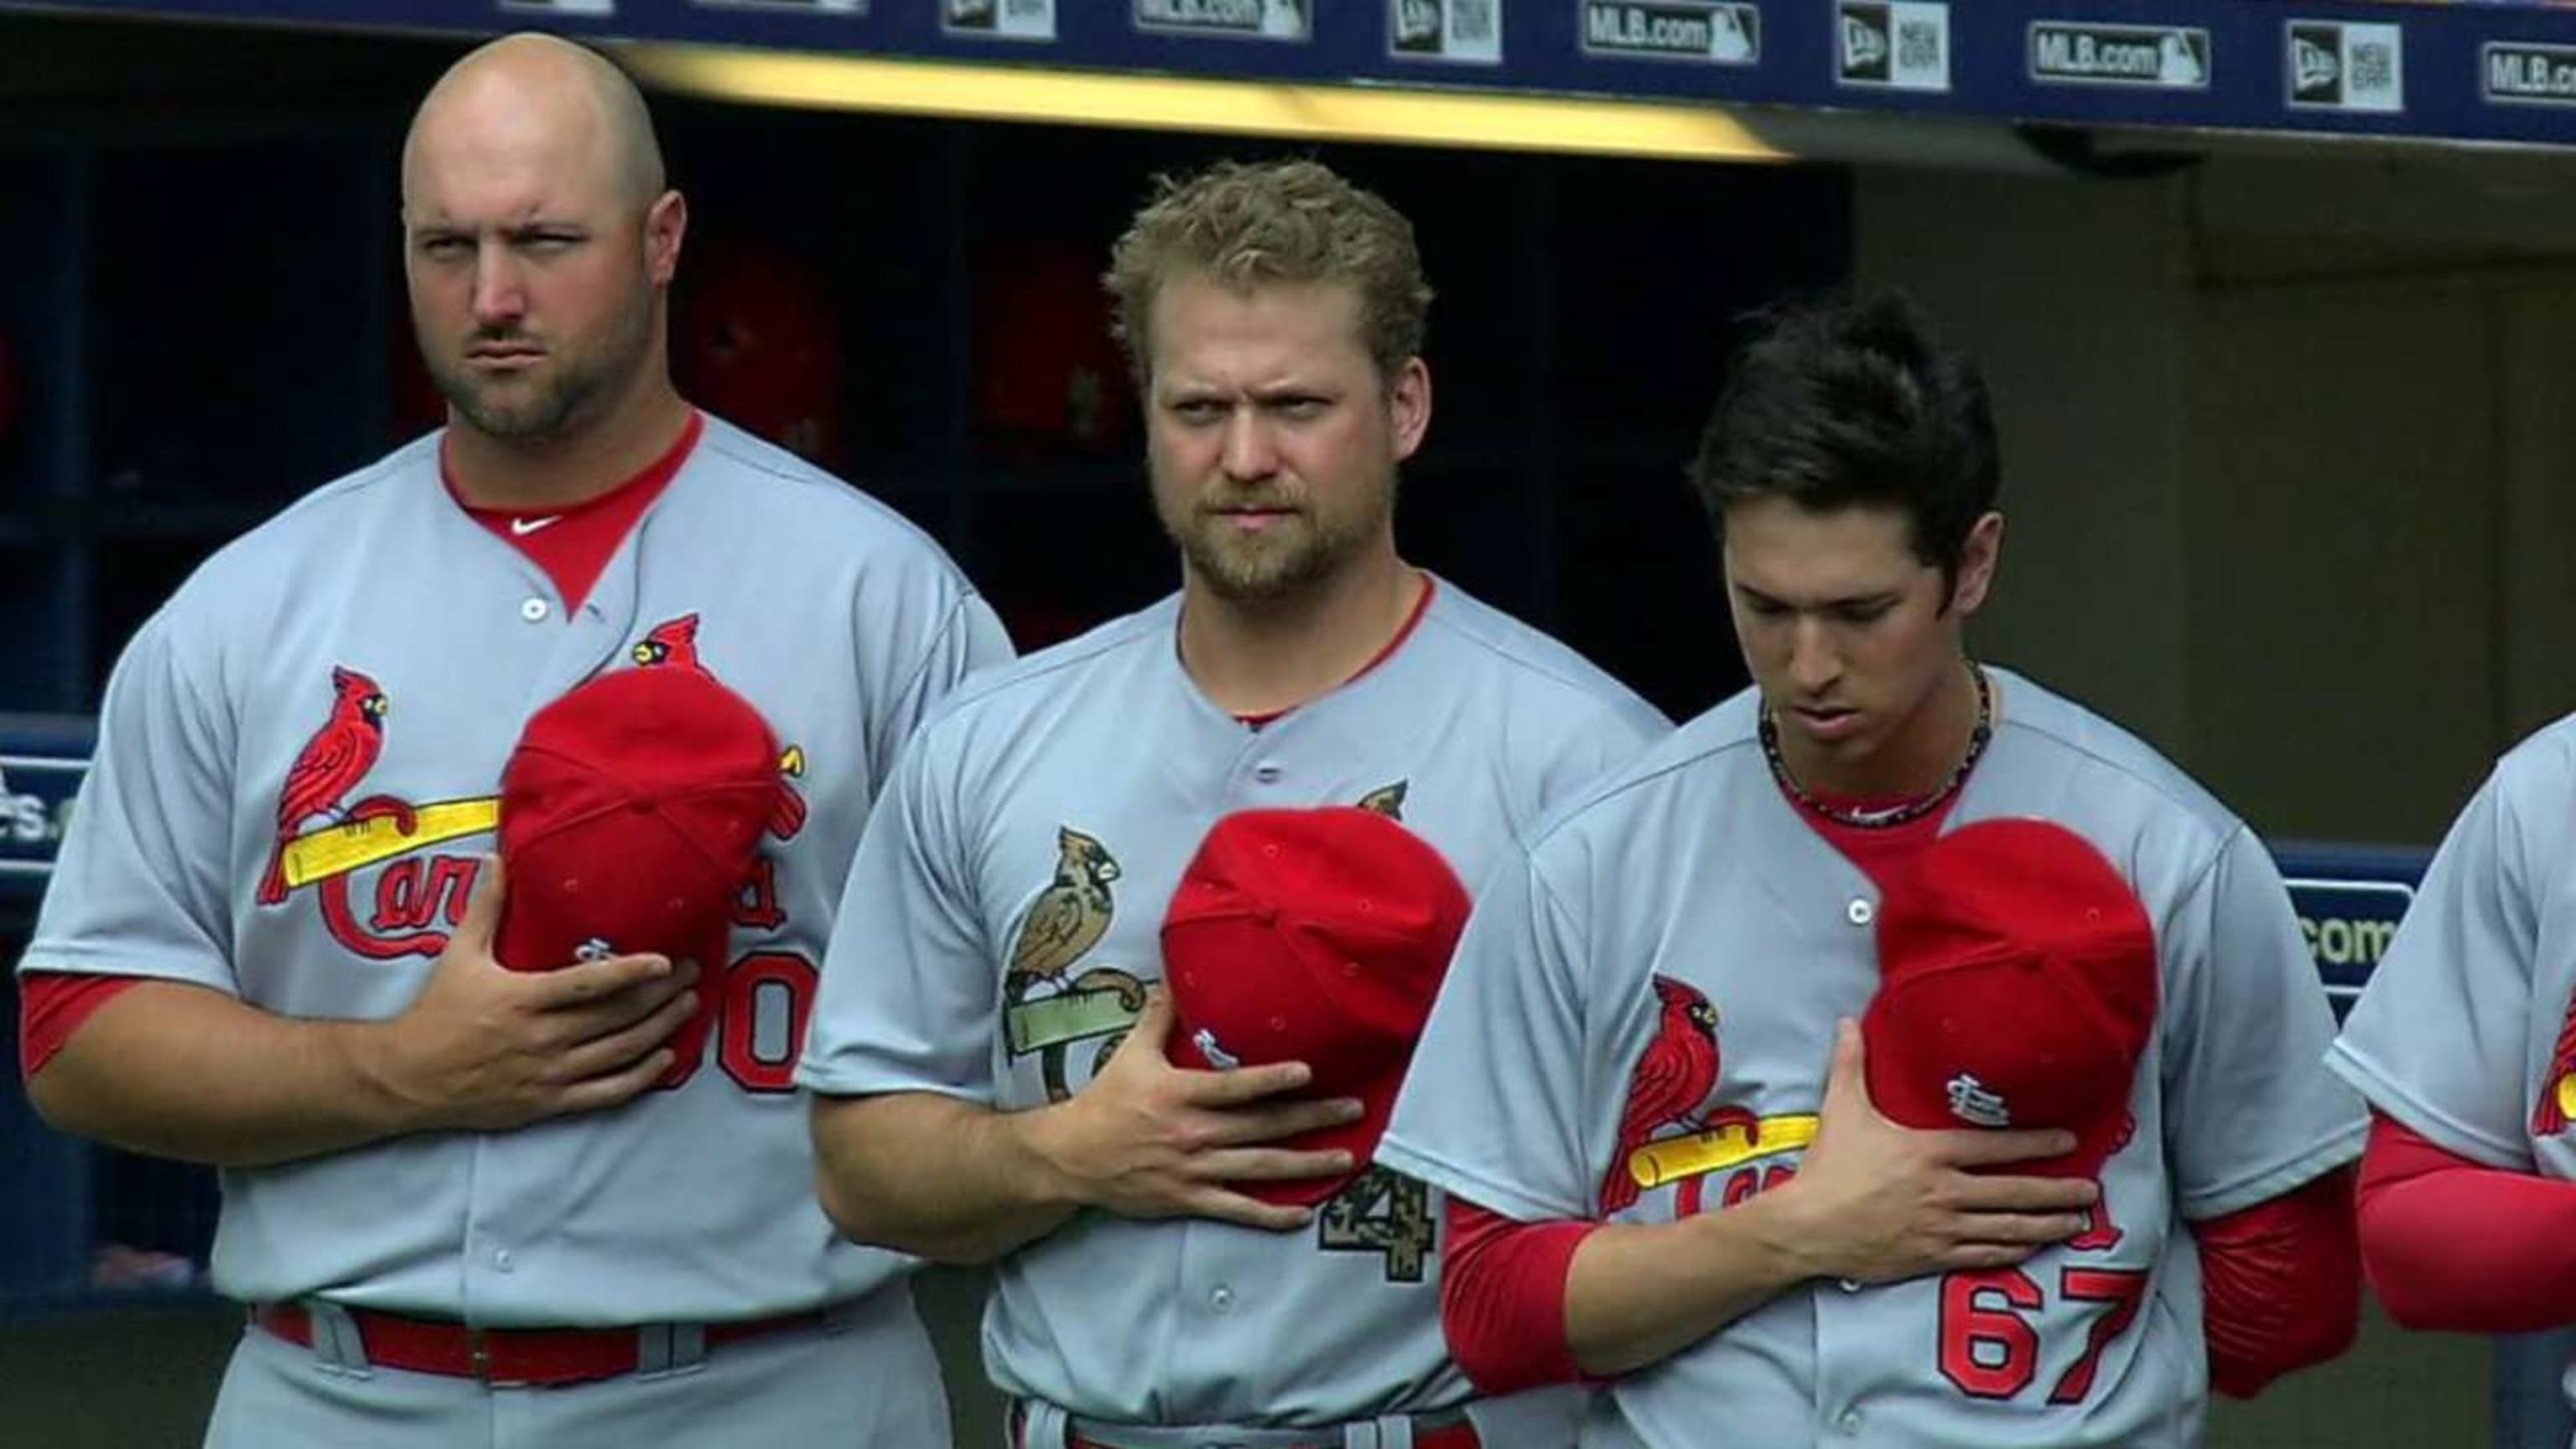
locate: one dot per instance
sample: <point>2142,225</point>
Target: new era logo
<point>1866,48</point>
<point>1417,25</point>
<point>1899,44</point>
<point>2316,65</point>
<point>2333,65</point>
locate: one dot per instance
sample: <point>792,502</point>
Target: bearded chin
<point>542,415</point>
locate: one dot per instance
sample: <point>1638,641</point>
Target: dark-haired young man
<point>1675,1163</point>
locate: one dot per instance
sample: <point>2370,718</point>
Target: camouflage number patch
<point>1385,1213</point>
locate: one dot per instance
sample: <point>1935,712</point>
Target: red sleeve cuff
<point>1502,1298</point>
<point>52,1005</point>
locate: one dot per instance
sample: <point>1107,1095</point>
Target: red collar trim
<point>1421,606</point>
<point>654,476</point>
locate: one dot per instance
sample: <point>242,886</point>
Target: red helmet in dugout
<point>2018,988</point>
<point>1316,936</point>
<point>756,342</point>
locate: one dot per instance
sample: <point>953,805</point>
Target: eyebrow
<point>1848,601</point>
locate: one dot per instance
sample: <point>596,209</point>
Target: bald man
<point>567,1204</point>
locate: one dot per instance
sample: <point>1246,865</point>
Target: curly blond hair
<point>1244,225</point>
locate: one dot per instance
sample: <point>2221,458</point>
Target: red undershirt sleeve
<point>1502,1298</point>
<point>2282,1284</point>
<point>52,1005</point>
<point>2452,1244</point>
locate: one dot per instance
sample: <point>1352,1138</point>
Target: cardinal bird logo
<point>1068,918</point>
<point>1672,1080</point>
<point>337,757</point>
<point>2557,1104</point>
<point>1387,800</point>
<point>672,643</point>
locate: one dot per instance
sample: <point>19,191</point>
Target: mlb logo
<point>2316,65</point>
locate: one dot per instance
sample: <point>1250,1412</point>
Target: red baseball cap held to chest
<point>1316,936</point>
<point>2017,988</point>
<point>632,812</point>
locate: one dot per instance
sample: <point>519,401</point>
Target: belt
<point>525,1357</point>
<point>1460,1435</point>
<point>1041,1426</point>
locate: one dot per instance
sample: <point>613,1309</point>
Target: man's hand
<point>1874,1202</point>
<point>1147,1139</point>
<point>486,1048</point>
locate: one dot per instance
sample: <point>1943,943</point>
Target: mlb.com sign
<point>2526,73</point>
<point>2171,57</point>
<point>1728,33</point>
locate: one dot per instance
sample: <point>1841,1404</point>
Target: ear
<point>666,225</point>
<point>1409,404</point>
<point>1978,560</point>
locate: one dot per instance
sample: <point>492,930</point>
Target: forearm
<point>991,1191</point>
<point>1638,1293</point>
<point>184,1072</point>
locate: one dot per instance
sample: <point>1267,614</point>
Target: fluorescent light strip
<point>1154,102</point>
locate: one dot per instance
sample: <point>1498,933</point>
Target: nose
<point>499,296</point>
<point>1813,665</point>
<point>1250,452</point>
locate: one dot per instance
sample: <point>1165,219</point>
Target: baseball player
<point>989,1051</point>
<point>1643,1085</point>
<point>2465,1045</point>
<point>469,1204</point>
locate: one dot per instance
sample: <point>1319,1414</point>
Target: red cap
<point>2017,988</point>
<point>631,818</point>
<point>1316,936</point>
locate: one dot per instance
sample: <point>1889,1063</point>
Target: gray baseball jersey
<point>2465,1033</point>
<point>1003,919</point>
<point>1687,882</point>
<point>372,654</point>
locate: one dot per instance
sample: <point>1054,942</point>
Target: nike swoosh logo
<point>522,527</point>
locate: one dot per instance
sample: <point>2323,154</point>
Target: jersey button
<point>1267,772</point>
<point>502,1261</point>
<point>1849,1423</point>
<point>534,609</point>
<point>1860,912</point>
<point>1222,1300</point>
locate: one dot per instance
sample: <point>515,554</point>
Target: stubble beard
<point>569,387</point>
<point>1292,558</point>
